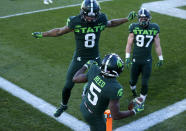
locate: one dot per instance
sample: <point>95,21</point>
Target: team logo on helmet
<point>120,92</point>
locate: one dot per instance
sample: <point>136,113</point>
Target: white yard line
<point>167,7</point>
<point>43,10</point>
<point>43,106</point>
<point>155,117</point>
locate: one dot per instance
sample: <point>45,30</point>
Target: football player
<point>87,27</point>
<point>142,35</point>
<point>102,91</point>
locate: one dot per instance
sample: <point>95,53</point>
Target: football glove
<point>90,63</point>
<point>160,63</point>
<point>138,108</point>
<point>128,62</point>
<point>37,35</point>
<point>131,15</point>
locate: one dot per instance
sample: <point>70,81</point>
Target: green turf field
<point>40,65</point>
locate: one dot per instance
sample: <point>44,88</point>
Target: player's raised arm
<point>117,22</point>
<point>52,33</point>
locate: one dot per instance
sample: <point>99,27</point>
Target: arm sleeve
<point>70,22</point>
<point>131,26</point>
<point>157,28</point>
<point>105,19</point>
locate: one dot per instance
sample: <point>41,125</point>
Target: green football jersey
<point>87,35</point>
<point>100,90</point>
<point>143,39</point>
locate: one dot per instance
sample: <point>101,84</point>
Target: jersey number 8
<point>90,40</point>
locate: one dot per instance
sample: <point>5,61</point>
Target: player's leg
<point>146,72</point>
<point>134,74</point>
<point>96,122</point>
<point>66,92</point>
<point>73,68</point>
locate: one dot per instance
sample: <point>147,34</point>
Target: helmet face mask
<point>112,65</point>
<point>144,17</point>
<point>90,10</point>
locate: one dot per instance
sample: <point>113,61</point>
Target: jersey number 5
<point>141,38</point>
<point>90,40</point>
<point>92,96</point>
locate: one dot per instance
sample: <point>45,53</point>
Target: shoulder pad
<point>156,26</point>
<point>72,20</point>
<point>103,17</point>
<point>131,27</point>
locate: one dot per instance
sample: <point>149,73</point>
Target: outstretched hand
<point>138,108</point>
<point>37,35</point>
<point>131,15</point>
<point>128,62</point>
<point>160,63</point>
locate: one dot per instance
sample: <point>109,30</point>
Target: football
<point>137,100</point>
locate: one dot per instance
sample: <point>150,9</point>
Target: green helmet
<point>112,65</point>
<point>90,10</point>
<point>144,17</point>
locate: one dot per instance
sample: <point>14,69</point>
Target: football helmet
<point>90,10</point>
<point>144,17</point>
<point>112,65</point>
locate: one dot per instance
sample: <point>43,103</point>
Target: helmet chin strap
<point>91,21</point>
<point>144,23</point>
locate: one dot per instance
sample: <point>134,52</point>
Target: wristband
<point>160,57</point>
<point>127,55</point>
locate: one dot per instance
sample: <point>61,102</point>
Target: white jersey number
<point>90,40</point>
<point>92,96</point>
<point>140,40</point>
